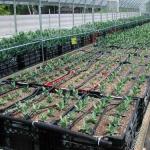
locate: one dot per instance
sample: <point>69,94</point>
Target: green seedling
<point>13,84</point>
<point>59,92</point>
<point>61,105</point>
<point>80,105</point>
<point>49,98</point>
<point>142,79</point>
<point>135,90</point>
<point>64,122</point>
<point>2,101</point>
<point>45,91</point>
<point>85,128</point>
<point>50,112</point>
<point>102,87</point>
<point>66,97</point>
<point>92,119</point>
<point>43,117</point>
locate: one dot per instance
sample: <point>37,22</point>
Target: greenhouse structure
<point>74,74</point>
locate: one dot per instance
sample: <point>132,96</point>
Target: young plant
<point>26,89</point>
<point>61,105</point>
<point>115,120</point>
<point>142,79</point>
<point>112,127</point>
<point>93,118</point>
<point>85,128</point>
<point>9,97</point>
<point>112,77</point>
<point>66,97</point>
<point>120,85</point>
<point>43,117</point>
<point>23,108</point>
<point>135,90</point>
<point>64,122</point>
<point>49,98</point>
<point>97,109</point>
<point>80,105</point>
<point>2,90</point>
<point>2,101</point>
<point>45,91</point>
<point>50,112</point>
<point>102,87</point>
<point>13,84</point>
<point>59,92</point>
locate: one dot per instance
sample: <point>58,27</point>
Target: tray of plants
<point>73,120</point>
<point>46,72</point>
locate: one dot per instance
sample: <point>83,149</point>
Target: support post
<point>85,12</point>
<point>49,18</point>
<point>15,17</point>
<point>59,9</point>
<point>93,12</point>
<point>73,21</point>
<point>41,28</point>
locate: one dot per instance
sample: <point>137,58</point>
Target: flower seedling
<point>85,128</point>
<point>61,105</point>
<point>142,79</point>
<point>112,127</point>
<point>50,112</point>
<point>92,119</point>
<point>49,98</point>
<point>64,122</point>
<point>2,101</point>
<point>43,117</point>
<point>102,87</point>
<point>26,89</point>
<point>59,92</point>
<point>13,84</point>
<point>80,105</point>
<point>135,90</point>
<point>45,91</point>
<point>66,97</point>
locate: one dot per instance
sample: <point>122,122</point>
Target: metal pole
<point>93,12</point>
<point>15,17</point>
<point>59,7</point>
<point>93,15</point>
<point>41,28</point>
<point>85,12</point>
<point>73,21</point>
<point>112,16</point>
<point>107,16</point>
<point>49,18</point>
<point>120,15</point>
<point>82,16</point>
<point>40,16</point>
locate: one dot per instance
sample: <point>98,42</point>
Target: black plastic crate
<point>9,66</point>
<point>29,58</point>
<point>51,52</point>
<point>66,47</point>
<point>88,39</point>
<point>18,135</point>
<point>144,102</point>
<point>52,137</point>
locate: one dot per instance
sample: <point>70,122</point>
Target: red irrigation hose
<point>50,84</point>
